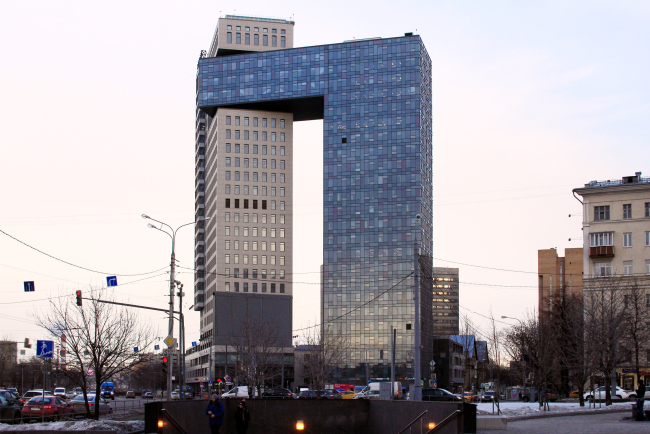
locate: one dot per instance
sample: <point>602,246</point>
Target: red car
<point>48,408</point>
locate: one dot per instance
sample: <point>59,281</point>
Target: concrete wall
<point>319,416</point>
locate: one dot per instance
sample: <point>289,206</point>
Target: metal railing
<point>171,419</point>
<point>445,421</point>
<point>413,421</point>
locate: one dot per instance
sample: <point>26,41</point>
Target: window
<point>264,137</point>
<point>246,121</point>
<point>274,41</point>
<point>600,212</point>
<point>229,37</point>
<point>282,191</point>
<point>227,230</point>
<point>282,138</point>
<point>283,41</point>
<point>272,286</point>
<point>227,245</point>
<point>273,166</point>
<point>273,136</point>
<point>282,248</point>
<point>237,175</point>
<point>265,40</point>
<point>227,259</point>
<point>236,286</point>
<point>254,287</point>
<point>627,239</point>
<point>602,269</point>
<point>227,134</point>
<point>228,146</point>
<point>227,175</point>
<point>237,134</point>
<point>598,239</point>
<point>247,39</point>
<point>282,259</point>
<point>263,287</point>
<point>256,39</point>
<point>281,164</point>
<point>647,239</point>
<point>227,203</point>
<point>237,120</point>
<point>237,160</point>
<point>627,210</point>
<point>228,120</point>
<point>238,38</point>
<point>227,188</point>
<point>282,177</point>
<point>255,121</point>
<point>627,268</point>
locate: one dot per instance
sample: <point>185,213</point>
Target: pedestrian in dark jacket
<point>215,412</point>
<point>242,417</point>
<point>640,394</point>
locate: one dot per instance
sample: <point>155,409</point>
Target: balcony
<point>601,252</point>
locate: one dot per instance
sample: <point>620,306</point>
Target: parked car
<point>13,390</point>
<point>13,398</point>
<point>147,395</point>
<point>574,394</point>
<point>278,393</point>
<point>188,395</point>
<point>60,392</point>
<point>78,391</point>
<point>368,394</point>
<point>79,404</point>
<point>429,394</point>
<point>347,394</point>
<point>175,396</point>
<point>330,394</point>
<point>487,396</point>
<point>47,407</point>
<point>238,392</point>
<point>32,393</point>
<point>9,413</point>
<point>130,394</point>
<point>550,395</point>
<point>145,391</point>
<point>601,392</point>
<point>307,394</point>
<point>468,397</point>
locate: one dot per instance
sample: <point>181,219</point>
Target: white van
<point>238,392</point>
<point>374,386</point>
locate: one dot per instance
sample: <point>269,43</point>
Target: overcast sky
<point>530,100</point>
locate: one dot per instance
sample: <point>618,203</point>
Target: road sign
<point>210,382</point>
<point>193,344</point>
<point>135,349</point>
<point>111,281</point>
<point>432,364</point>
<point>29,286</point>
<point>44,349</point>
<point>91,372</point>
<point>156,347</point>
<point>435,380</point>
<point>228,379</point>
<point>170,342</point>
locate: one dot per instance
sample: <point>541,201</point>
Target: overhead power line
<point>75,265</point>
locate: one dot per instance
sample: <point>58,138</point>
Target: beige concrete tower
<point>244,179</point>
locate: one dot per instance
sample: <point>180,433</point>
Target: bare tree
<point>258,349</point>
<point>98,336</point>
<point>330,350</point>
<point>604,312</point>
<point>636,319</point>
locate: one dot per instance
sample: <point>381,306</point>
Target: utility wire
<point>74,265</point>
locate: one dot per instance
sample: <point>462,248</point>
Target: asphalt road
<point>588,424</point>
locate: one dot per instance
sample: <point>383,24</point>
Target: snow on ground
<point>120,427</point>
<point>515,409</point>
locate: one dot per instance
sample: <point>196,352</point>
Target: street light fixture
<point>523,361</point>
<point>172,282</point>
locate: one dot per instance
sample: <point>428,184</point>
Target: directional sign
<point>111,281</point>
<point>432,364</point>
<point>135,349</point>
<point>44,349</point>
<point>193,344</point>
<point>29,286</point>
<point>156,347</point>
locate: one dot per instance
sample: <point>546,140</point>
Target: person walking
<point>640,395</point>
<point>242,417</point>
<point>215,412</point>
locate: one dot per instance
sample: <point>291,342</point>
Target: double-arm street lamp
<point>172,283</point>
<point>523,361</point>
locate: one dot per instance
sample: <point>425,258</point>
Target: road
<point>588,424</point>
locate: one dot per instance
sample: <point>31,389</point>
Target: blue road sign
<point>210,381</point>
<point>29,286</point>
<point>135,349</point>
<point>111,281</point>
<point>435,380</point>
<point>193,344</point>
<point>44,349</point>
<point>156,347</point>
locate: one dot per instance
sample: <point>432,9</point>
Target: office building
<point>374,97</point>
<point>445,302</point>
<point>244,179</point>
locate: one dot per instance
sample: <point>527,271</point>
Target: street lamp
<point>172,282</point>
<point>523,361</point>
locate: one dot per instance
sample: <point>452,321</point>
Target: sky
<point>530,100</point>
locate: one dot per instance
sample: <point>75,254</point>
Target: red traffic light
<point>79,298</point>
<point>164,359</point>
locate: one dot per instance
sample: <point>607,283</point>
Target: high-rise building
<point>244,179</point>
<point>374,97</point>
<point>445,302</point>
<point>558,276</point>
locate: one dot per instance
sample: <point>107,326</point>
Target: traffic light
<point>78,298</point>
<point>164,365</point>
<point>27,344</point>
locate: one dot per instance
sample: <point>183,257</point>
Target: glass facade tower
<point>374,97</point>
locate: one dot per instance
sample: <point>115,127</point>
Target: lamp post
<point>172,282</point>
<point>523,362</point>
